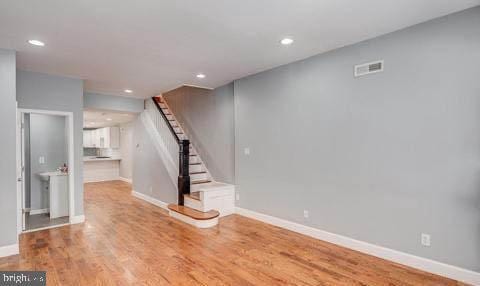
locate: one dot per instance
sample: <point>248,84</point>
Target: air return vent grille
<point>368,68</point>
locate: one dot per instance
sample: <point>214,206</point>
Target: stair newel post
<point>184,172</point>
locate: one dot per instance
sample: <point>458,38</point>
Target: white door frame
<point>71,162</point>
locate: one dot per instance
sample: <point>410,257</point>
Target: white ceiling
<point>103,118</point>
<point>152,46</point>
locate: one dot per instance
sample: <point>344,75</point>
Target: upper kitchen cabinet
<point>107,137</point>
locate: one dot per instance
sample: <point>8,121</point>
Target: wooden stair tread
<point>199,172</point>
<point>194,195</point>
<point>191,164</point>
<point>200,182</point>
<point>198,215</point>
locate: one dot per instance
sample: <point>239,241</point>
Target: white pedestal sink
<point>58,189</point>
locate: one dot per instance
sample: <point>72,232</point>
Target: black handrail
<point>166,119</point>
<point>183,160</point>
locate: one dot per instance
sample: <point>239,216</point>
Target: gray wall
<point>150,176</point>
<point>47,139</point>
<point>207,117</point>
<point>382,158</point>
<point>112,102</point>
<point>48,92</point>
<point>8,173</point>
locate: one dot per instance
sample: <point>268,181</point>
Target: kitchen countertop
<point>94,159</point>
<point>54,173</point>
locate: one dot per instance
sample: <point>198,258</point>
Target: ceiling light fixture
<point>200,75</point>
<point>128,90</point>
<point>36,43</point>
<point>286,41</point>
<point>109,119</point>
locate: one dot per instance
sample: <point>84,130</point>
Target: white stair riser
<point>194,204</point>
<point>197,223</point>
<point>196,188</point>
<point>196,168</point>
<point>195,159</point>
<point>170,117</point>
<point>177,129</point>
<point>163,106</point>
<point>195,177</point>
<point>222,200</point>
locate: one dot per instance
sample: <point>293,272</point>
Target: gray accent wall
<point>112,102</point>
<point>150,176</point>
<point>381,158</point>
<point>8,172</point>
<point>207,118</point>
<point>47,139</point>
<point>48,92</point>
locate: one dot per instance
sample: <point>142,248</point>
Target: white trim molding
<point>125,179</point>
<point>77,219</point>
<point>71,161</point>
<point>428,265</point>
<point>9,250</point>
<point>39,211</point>
<point>151,200</point>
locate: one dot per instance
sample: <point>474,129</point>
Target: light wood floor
<point>126,241</point>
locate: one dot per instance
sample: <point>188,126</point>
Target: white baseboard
<point>151,200</point>
<point>77,219</point>
<point>125,180</point>
<point>39,211</point>
<point>439,268</point>
<point>9,250</point>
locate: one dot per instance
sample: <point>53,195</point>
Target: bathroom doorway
<point>46,176</point>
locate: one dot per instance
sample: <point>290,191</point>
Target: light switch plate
<point>41,160</point>
<point>246,151</point>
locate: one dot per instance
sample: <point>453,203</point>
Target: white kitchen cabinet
<point>87,138</point>
<point>107,137</point>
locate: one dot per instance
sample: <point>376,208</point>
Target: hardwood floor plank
<point>127,241</point>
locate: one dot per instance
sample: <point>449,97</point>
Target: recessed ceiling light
<point>200,75</point>
<point>286,41</point>
<point>128,90</point>
<point>36,43</point>
<point>109,119</point>
<point>92,123</point>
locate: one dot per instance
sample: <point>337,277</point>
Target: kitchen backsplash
<point>87,152</point>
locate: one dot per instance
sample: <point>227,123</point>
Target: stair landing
<point>194,217</point>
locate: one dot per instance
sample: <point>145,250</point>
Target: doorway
<point>45,174</point>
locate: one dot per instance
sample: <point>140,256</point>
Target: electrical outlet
<point>41,160</point>
<point>246,151</point>
<point>425,239</point>
<point>237,196</point>
<point>305,214</point>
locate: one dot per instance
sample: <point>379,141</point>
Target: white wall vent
<point>368,68</point>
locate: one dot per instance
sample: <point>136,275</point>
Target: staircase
<point>201,200</point>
